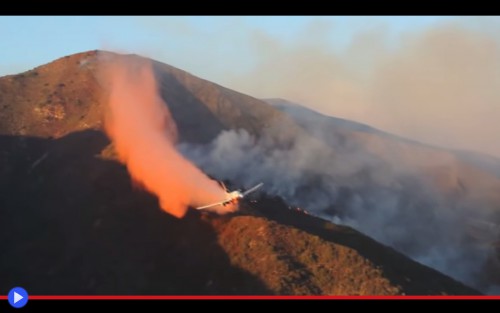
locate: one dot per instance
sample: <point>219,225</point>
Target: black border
<point>314,7</point>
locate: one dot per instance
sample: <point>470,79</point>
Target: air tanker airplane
<point>232,197</point>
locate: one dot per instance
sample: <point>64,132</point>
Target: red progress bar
<point>116,297</point>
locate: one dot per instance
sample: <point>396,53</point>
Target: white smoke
<point>344,182</point>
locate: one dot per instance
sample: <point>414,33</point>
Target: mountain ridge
<point>93,233</point>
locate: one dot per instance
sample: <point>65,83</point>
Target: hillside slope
<point>450,198</point>
<point>81,228</point>
<point>67,95</point>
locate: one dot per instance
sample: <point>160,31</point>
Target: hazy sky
<point>184,42</point>
<point>434,79</point>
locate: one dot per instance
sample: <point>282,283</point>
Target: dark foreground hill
<point>72,223</point>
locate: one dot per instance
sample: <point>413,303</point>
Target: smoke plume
<point>436,85</point>
<point>387,197</point>
<point>144,135</point>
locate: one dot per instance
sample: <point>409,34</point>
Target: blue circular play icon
<point>18,297</point>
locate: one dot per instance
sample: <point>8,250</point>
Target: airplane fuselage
<point>233,196</point>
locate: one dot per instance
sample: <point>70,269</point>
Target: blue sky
<point>34,40</point>
<point>429,78</point>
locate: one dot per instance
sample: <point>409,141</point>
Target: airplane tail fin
<point>223,185</point>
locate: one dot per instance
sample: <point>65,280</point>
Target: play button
<point>18,297</point>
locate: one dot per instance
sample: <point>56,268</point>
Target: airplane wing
<point>252,189</point>
<point>229,200</point>
<point>211,205</point>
